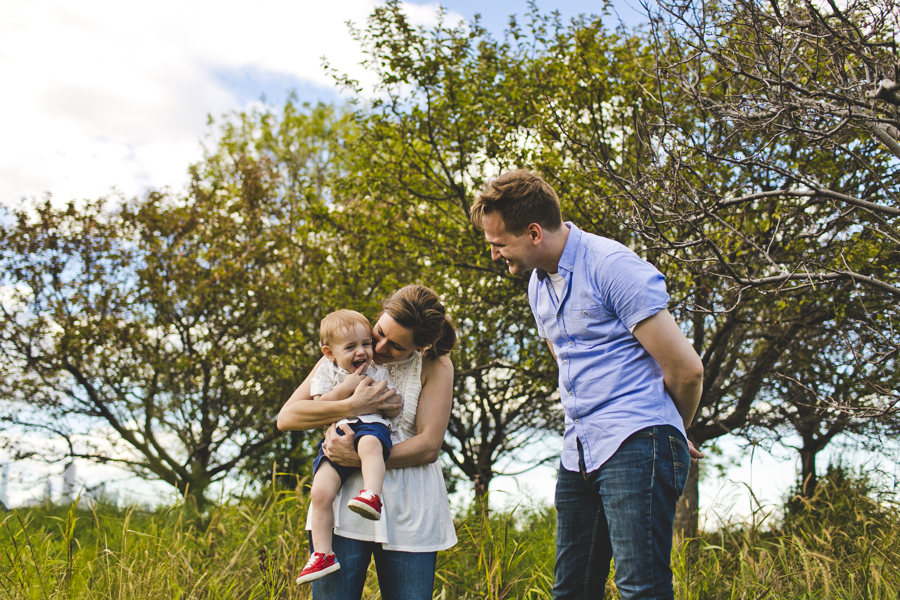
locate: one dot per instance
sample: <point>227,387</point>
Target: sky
<point>105,97</point>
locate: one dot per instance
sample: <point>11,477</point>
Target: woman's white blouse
<point>415,515</point>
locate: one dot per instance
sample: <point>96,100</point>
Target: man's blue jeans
<point>401,575</point>
<point>623,511</point>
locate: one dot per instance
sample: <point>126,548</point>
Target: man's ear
<point>535,232</point>
<point>328,353</point>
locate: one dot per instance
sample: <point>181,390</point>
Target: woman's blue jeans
<point>401,575</point>
<point>623,511</point>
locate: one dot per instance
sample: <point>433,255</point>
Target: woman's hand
<point>371,398</point>
<point>393,410</point>
<point>339,449</point>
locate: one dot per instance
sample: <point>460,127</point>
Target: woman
<point>412,337</point>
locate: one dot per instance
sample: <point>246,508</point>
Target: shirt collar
<point>567,260</point>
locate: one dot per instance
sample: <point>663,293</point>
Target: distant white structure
<point>68,489</point>
<point>99,493</point>
<point>4,482</point>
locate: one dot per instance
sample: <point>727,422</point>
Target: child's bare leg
<point>371,453</point>
<point>326,484</point>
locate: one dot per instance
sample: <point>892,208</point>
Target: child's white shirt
<point>329,376</point>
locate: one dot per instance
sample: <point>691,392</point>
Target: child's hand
<point>346,388</point>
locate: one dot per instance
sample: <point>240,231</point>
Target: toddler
<point>346,338</point>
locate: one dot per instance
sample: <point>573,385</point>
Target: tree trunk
<point>193,497</point>
<point>808,478</point>
<point>482,482</point>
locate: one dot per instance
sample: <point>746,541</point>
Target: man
<point>629,382</point>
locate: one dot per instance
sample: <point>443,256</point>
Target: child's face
<point>351,349</point>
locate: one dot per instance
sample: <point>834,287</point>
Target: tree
<point>823,390</point>
<point>628,128</point>
<point>163,334</point>
<point>760,166</point>
<point>453,107</point>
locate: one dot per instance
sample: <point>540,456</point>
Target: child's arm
<point>345,389</point>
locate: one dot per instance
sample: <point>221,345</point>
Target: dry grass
<point>842,544</point>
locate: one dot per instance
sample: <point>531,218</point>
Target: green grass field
<point>842,544</point>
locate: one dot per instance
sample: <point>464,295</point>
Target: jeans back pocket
<point>682,462</point>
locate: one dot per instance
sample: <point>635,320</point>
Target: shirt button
<point>576,420</point>
<point>565,362</point>
<point>584,312</point>
<point>571,343</point>
<point>571,393</point>
<point>559,316</point>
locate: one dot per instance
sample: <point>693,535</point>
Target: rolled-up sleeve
<point>631,288</point>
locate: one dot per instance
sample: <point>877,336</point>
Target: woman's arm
<point>432,418</point>
<point>301,412</point>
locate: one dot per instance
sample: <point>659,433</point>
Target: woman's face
<point>392,341</point>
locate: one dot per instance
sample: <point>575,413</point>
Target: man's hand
<point>695,454</point>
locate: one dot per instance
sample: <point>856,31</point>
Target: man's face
<point>517,250</point>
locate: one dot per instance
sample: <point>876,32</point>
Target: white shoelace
<point>311,561</point>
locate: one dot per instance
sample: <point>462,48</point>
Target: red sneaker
<point>317,566</point>
<point>367,505</point>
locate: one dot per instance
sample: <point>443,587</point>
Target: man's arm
<point>682,368</point>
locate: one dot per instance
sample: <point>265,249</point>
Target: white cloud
<point>101,94</point>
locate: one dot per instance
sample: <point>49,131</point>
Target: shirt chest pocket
<point>587,322</point>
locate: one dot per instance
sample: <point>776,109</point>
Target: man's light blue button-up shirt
<point>609,384</point>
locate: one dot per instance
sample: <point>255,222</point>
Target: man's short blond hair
<point>338,322</point>
<point>520,198</point>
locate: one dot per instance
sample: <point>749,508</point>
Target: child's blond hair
<point>336,323</point>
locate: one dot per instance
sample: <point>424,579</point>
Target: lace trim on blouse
<point>407,378</point>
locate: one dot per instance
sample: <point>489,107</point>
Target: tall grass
<point>840,544</point>
<point>250,549</point>
<point>500,554</point>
